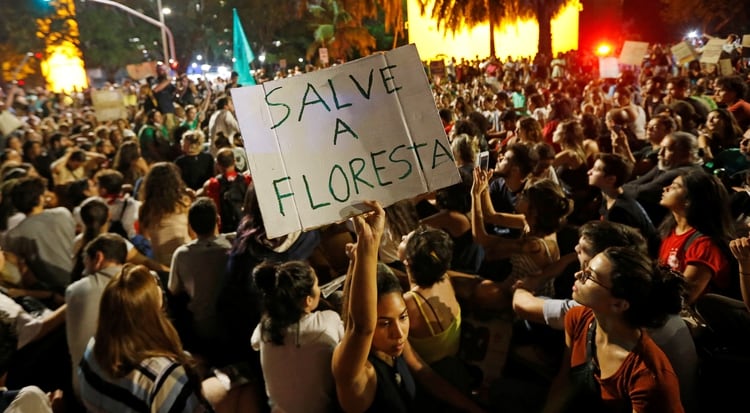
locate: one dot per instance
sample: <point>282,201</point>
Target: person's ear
<point>620,305</point>
<point>98,259</point>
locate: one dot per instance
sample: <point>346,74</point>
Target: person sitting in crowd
<point>434,312</point>
<point>696,234</point>
<point>104,257</point>
<point>44,239</point>
<point>129,162</point>
<point>135,360</point>
<point>673,337</point>
<point>295,341</point>
<point>730,94</point>
<point>611,363</point>
<point>609,173</point>
<point>163,217</point>
<point>720,132</point>
<point>374,366</point>
<point>678,153</point>
<point>544,208</point>
<point>196,166</point>
<point>195,273</point>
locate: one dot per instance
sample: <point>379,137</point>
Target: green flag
<point>243,54</point>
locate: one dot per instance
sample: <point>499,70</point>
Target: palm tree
<point>341,31</point>
<point>451,15</point>
<point>541,10</point>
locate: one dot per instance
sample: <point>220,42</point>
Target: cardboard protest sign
<point>108,105</point>
<point>9,122</point>
<point>746,45</point>
<point>320,143</point>
<point>633,53</point>
<point>141,70</point>
<point>683,53</point>
<point>323,53</point>
<point>713,50</point>
<point>725,67</point>
<point>608,68</point>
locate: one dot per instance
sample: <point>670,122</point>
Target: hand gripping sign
<point>320,143</point>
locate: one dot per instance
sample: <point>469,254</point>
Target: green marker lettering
<point>330,183</point>
<point>342,127</point>
<point>288,109</point>
<point>406,161</point>
<point>312,102</point>
<point>280,196</point>
<point>390,77</point>
<point>336,97</point>
<point>309,196</point>
<point>362,91</point>
<point>355,174</point>
<point>416,152</point>
<point>378,168</point>
<point>436,155</point>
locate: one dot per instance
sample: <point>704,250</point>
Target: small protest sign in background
<point>108,105</point>
<point>633,53</point>
<point>320,143</point>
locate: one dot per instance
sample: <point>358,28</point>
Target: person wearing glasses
<point>611,363</point>
<point>673,337</point>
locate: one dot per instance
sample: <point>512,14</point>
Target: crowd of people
<point>598,260</point>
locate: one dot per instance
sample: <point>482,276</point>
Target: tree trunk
<point>492,38</point>
<point>544,18</point>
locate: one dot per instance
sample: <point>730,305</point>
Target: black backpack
<point>231,198</point>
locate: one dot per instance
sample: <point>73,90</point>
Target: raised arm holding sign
<point>323,142</point>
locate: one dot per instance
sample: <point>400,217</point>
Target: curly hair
<point>163,193</point>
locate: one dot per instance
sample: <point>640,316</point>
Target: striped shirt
<point>157,385</point>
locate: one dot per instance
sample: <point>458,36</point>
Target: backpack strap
<point>124,207</point>
<point>690,240</point>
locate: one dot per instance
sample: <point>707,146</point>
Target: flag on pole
<point>243,54</point>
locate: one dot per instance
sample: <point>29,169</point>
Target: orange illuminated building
<point>519,39</point>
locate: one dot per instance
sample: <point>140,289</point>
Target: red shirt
<point>645,382</point>
<point>741,112</point>
<point>702,250</point>
<point>213,187</point>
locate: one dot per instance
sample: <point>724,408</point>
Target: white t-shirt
<point>298,374</point>
<point>30,399</point>
<point>27,327</point>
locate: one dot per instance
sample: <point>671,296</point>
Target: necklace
<point>396,374</point>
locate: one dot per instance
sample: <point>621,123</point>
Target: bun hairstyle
<point>549,205</point>
<point>654,292</point>
<point>284,288</point>
<point>429,252</point>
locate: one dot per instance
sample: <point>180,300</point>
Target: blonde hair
<point>195,140</point>
<point>465,148</point>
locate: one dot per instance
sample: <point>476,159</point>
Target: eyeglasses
<point>588,274</point>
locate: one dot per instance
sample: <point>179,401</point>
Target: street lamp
<point>163,32</point>
<point>160,23</point>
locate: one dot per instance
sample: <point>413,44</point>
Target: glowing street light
<point>603,49</point>
<point>166,11</point>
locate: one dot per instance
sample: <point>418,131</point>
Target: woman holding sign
<point>374,366</point>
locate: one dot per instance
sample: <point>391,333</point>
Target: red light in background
<point>38,55</point>
<point>21,82</point>
<point>603,49</point>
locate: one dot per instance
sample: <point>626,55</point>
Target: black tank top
<point>396,389</point>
